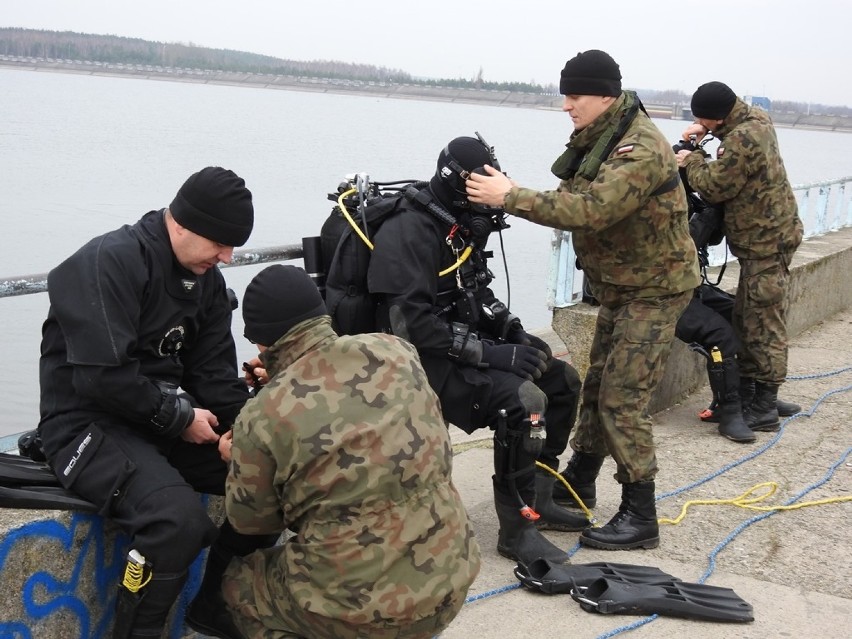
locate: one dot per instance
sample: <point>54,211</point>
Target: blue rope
<point>741,527</point>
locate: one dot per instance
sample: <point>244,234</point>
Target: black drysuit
<point>125,315</point>
<point>419,305</point>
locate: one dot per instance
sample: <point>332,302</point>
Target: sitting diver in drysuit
<point>430,275</point>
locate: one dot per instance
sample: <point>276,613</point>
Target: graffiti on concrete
<point>58,579</point>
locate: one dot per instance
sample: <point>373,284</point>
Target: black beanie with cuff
<point>215,203</point>
<point>592,72</point>
<point>276,299</point>
<point>713,101</point>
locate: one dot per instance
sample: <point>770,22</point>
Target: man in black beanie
<point>763,230</point>
<point>429,278</point>
<point>135,315</point>
<point>346,446</point>
<point>620,197</point>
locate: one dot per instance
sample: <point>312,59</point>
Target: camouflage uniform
<point>346,447</point>
<point>630,234</point>
<point>763,230</point>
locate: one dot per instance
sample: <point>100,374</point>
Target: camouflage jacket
<point>749,178</point>
<point>346,446</point>
<point>630,241</point>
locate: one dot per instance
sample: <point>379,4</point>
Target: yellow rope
<point>576,497</point>
<point>747,500</point>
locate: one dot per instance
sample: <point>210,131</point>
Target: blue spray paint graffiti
<point>79,565</point>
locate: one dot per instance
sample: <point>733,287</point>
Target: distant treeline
<point>67,45</point>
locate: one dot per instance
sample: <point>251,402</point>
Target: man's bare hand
<point>254,372</point>
<point>200,431</point>
<point>226,441</point>
<point>488,189</point>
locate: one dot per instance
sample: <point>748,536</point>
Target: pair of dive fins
<point>611,588</point>
<point>29,484</point>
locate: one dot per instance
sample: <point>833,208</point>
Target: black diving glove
<point>524,361</point>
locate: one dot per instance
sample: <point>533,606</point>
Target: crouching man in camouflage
<point>346,447</point>
<point>620,196</point>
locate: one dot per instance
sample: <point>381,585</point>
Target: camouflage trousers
<point>629,351</point>
<point>262,608</point>
<point>760,317</point>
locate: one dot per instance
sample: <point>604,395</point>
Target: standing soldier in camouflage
<point>763,228</point>
<point>346,447</point>
<point>619,194</point>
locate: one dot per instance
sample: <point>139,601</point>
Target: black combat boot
<point>725,382</point>
<point>554,517</point>
<point>746,392</point>
<point>786,409</point>
<point>634,525</point>
<point>581,473</point>
<point>207,614</point>
<point>762,415</point>
<point>518,538</point>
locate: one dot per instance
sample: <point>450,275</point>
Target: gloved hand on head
<point>525,361</point>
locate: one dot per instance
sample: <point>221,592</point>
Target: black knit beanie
<point>463,153</point>
<point>215,204</point>
<point>276,299</point>
<point>592,72</point>
<point>713,101</point>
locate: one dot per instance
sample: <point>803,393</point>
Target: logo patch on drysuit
<point>627,148</point>
<point>172,342</point>
<point>720,152</point>
<point>188,285</point>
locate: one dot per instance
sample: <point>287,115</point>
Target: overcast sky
<point>784,49</point>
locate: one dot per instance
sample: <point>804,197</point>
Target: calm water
<point>81,155</point>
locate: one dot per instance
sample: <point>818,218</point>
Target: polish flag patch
<point>720,152</point>
<point>627,148</point>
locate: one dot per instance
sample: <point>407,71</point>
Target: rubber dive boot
<point>634,525</point>
<point>725,382</point>
<point>785,409</point>
<point>711,413</point>
<point>762,415</point>
<point>143,614</point>
<point>554,517</point>
<point>518,538</point>
<point>581,473</point>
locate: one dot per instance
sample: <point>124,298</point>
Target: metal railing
<point>27,284</point>
<point>823,206</point>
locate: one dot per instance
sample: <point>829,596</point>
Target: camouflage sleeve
<point>251,502</point>
<point>623,185</point>
<point>722,179</point>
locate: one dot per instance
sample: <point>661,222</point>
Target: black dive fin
<point>553,578</point>
<point>670,598</point>
<point>16,471</point>
<point>28,484</point>
<point>43,498</point>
